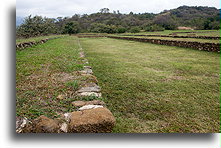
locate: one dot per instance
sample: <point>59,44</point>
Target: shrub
<point>134,30</point>
<point>154,27</point>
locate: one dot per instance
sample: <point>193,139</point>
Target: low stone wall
<point>87,117</point>
<point>91,36</point>
<point>24,45</point>
<point>178,36</point>
<point>212,47</point>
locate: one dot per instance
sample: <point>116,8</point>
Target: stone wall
<point>212,47</point>
<point>24,45</point>
<point>179,36</point>
<point>88,116</point>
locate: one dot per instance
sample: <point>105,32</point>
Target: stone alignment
<point>24,45</point>
<point>90,116</point>
<point>179,36</point>
<point>211,47</point>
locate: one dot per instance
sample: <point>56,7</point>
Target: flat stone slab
<point>94,88</point>
<point>87,94</point>
<point>90,107</point>
<point>98,120</point>
<point>93,102</point>
<point>86,71</point>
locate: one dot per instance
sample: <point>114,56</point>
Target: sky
<point>62,8</point>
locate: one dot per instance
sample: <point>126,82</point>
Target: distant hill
<point>19,20</point>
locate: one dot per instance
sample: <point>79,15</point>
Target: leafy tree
<point>72,28</point>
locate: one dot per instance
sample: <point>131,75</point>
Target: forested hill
<point>196,17</point>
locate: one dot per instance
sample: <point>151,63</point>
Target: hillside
<point>196,17</point>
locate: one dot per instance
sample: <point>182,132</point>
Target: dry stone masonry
<point>89,117</point>
<point>24,45</point>
<point>212,47</point>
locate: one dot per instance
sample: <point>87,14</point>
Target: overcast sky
<point>56,8</point>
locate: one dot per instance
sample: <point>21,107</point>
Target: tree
<point>104,10</point>
<point>72,28</point>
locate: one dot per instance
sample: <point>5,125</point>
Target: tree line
<point>105,21</point>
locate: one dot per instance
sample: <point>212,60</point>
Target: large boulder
<point>44,124</point>
<point>98,120</point>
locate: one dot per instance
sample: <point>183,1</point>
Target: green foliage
<point>134,30</point>
<point>106,22</point>
<point>154,27</point>
<point>72,28</point>
<point>36,26</point>
<point>102,28</point>
<point>121,29</point>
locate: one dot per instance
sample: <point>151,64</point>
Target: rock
<point>95,102</point>
<point>67,116</point>
<point>78,103</point>
<point>21,124</point>
<point>44,124</point>
<point>82,55</point>
<point>86,71</point>
<point>94,88</point>
<point>60,97</point>
<point>99,120</point>
<point>87,67</point>
<point>89,107</point>
<point>82,103</point>
<point>86,94</point>
<point>64,127</point>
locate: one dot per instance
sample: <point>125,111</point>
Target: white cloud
<point>55,8</point>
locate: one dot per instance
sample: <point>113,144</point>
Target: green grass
<point>42,73</point>
<point>196,32</point>
<point>156,88</point>
<point>35,39</point>
<point>179,39</point>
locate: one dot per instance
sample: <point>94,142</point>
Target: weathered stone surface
<point>99,120</point>
<point>86,71</point>
<point>92,88</point>
<point>89,107</point>
<point>67,116</point>
<point>78,103</point>
<point>82,103</point>
<point>64,128</point>
<point>85,94</point>
<point>44,124</point>
<point>21,124</point>
<point>87,67</point>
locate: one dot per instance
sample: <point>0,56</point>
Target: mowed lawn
<point>155,88</point>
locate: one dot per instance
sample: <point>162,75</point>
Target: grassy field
<point>156,88</point>
<point>35,39</point>
<point>42,73</point>
<point>179,39</point>
<point>148,87</point>
<point>196,32</point>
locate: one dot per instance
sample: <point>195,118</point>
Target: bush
<point>154,27</point>
<point>121,29</point>
<point>134,30</point>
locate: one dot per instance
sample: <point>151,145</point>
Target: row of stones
<point>179,36</point>
<point>90,117</point>
<point>24,45</point>
<point>29,44</point>
<point>211,47</point>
